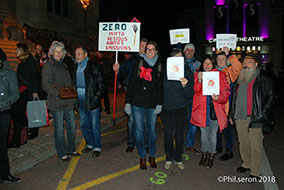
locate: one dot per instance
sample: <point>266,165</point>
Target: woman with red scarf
<point>144,100</point>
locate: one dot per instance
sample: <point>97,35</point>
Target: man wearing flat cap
<point>252,101</point>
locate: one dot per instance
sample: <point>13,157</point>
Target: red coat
<point>198,116</point>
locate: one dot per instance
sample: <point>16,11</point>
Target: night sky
<point>156,18</point>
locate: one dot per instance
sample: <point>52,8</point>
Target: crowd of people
<point>245,100</point>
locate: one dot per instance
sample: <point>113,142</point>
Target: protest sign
<point>179,35</point>
<point>175,68</point>
<point>119,36</point>
<point>210,83</point>
<point>226,40</point>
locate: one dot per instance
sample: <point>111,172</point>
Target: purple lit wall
<point>220,2</point>
<point>244,20</point>
<point>263,18</point>
<point>264,21</point>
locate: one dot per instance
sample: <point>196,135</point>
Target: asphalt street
<point>116,169</point>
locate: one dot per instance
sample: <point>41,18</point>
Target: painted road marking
<point>266,171</point>
<point>111,176</point>
<point>71,168</point>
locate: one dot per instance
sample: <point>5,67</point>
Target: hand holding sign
<point>210,83</point>
<point>226,40</point>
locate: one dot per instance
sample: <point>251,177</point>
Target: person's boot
<point>152,162</point>
<point>228,155</point>
<point>210,161</point>
<point>203,159</point>
<point>143,165</point>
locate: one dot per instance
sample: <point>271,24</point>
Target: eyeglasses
<point>150,49</point>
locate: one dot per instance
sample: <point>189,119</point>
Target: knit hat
<point>189,46</point>
<point>3,56</point>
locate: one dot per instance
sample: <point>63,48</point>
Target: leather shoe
<point>67,159</point>
<point>11,179</point>
<point>143,165</point>
<point>96,153</point>
<point>152,162</point>
<point>242,170</point>
<point>191,149</point>
<point>129,149</point>
<point>228,155</point>
<point>76,154</point>
<point>85,150</point>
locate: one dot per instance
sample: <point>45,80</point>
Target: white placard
<point>179,35</point>
<point>175,68</point>
<point>119,36</point>
<point>226,40</point>
<point>210,83</point>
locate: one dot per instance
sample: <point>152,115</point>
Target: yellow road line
<point>111,176</point>
<point>71,168</point>
<point>111,132</point>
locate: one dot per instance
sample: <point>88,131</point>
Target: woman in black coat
<point>28,71</point>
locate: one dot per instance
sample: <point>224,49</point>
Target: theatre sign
<point>242,39</point>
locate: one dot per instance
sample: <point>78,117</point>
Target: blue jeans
<point>191,130</point>
<point>91,128</point>
<point>131,132</point>
<point>139,114</point>
<point>209,137</point>
<point>59,138</point>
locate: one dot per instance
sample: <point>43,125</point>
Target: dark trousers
<point>19,117</point>
<point>229,137</point>
<point>106,99</point>
<point>5,118</point>
<point>174,122</point>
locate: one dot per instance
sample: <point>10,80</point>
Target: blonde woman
<point>55,75</point>
<point>28,70</point>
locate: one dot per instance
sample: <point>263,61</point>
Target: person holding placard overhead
<point>208,111</point>
<point>144,98</point>
<point>232,73</point>
<point>177,96</point>
<point>189,51</point>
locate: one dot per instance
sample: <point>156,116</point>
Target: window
<point>58,7</point>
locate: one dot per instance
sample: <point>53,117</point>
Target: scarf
<point>221,68</point>
<point>190,63</point>
<point>152,61</point>
<point>241,103</point>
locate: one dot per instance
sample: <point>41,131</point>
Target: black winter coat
<point>176,96</point>
<point>143,93</point>
<point>262,101</point>
<point>94,85</point>
<point>28,70</point>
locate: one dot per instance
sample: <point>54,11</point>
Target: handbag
<point>67,93</point>
<point>37,114</point>
<point>23,137</point>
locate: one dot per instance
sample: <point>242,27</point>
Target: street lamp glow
<point>85,3</point>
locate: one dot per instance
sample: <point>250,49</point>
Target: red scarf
<point>146,73</point>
